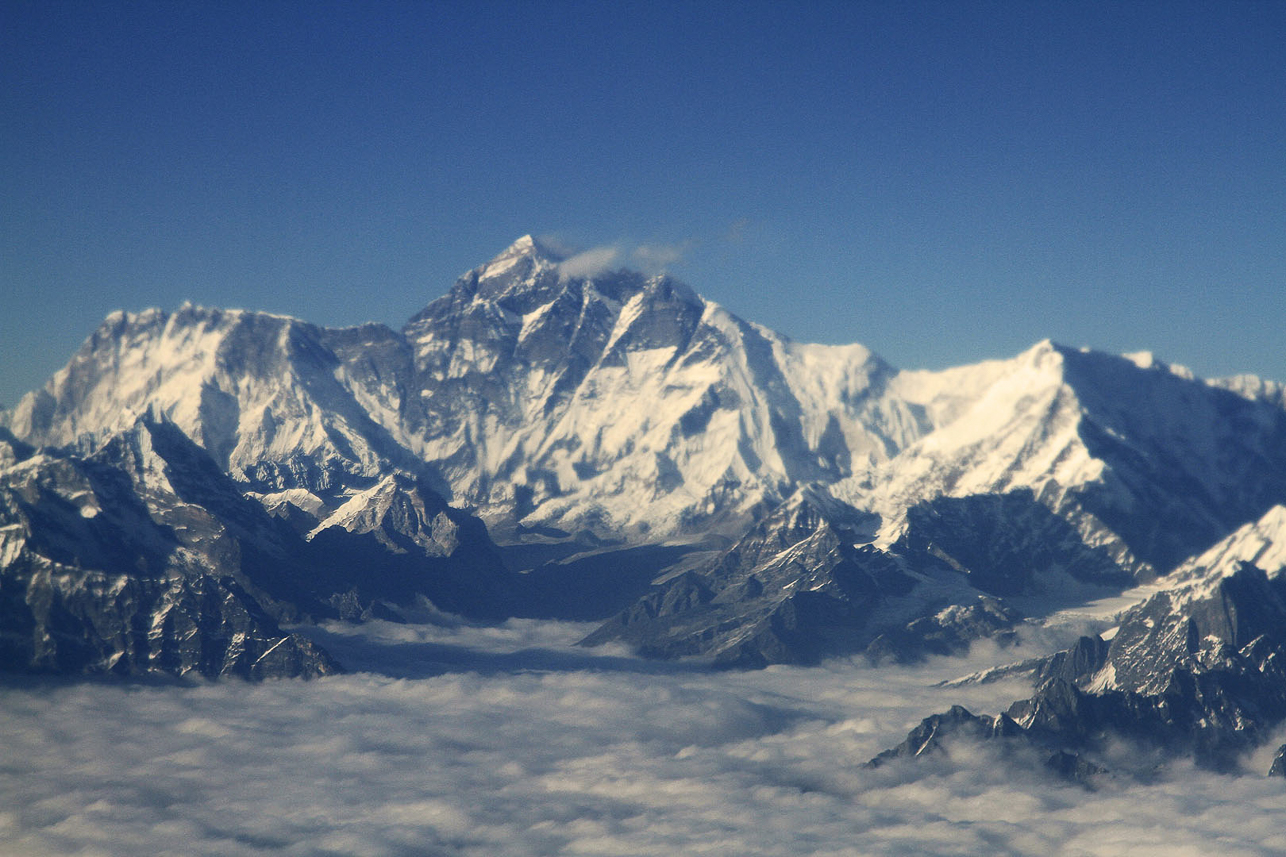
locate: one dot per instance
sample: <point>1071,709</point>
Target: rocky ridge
<point>1197,669</point>
<point>145,557</point>
<point>786,501</point>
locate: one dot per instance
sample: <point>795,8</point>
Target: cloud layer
<point>508,741</point>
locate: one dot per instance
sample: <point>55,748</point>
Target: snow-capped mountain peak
<point>257,391</point>
<point>630,406</point>
<point>526,252</point>
<point>1261,542</point>
<point>603,389</point>
<point>594,407</point>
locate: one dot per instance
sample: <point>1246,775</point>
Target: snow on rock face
<point>631,407</point>
<point>1190,626</point>
<point>1186,462</point>
<point>619,409</point>
<point>992,429</point>
<point>104,568</point>
<point>395,507</point>
<point>631,404</point>
<point>1000,427</point>
<point>1260,543</point>
<point>1253,388</point>
<point>257,391</point>
<point>1228,596</point>
<point>1146,461</point>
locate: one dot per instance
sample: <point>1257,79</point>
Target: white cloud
<point>651,258</point>
<point>509,741</point>
<point>589,263</point>
<point>557,243</point>
<point>657,258</point>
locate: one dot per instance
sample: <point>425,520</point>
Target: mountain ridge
<point>581,417</point>
<point>1198,668</point>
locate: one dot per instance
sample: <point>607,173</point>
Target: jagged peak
<point>1149,361</point>
<point>530,245</point>
<point>1045,352</point>
<point>811,507</point>
<point>1261,542</point>
<point>1145,360</point>
<point>667,288</point>
<point>1142,359</point>
<point>526,248</point>
<point>1252,387</point>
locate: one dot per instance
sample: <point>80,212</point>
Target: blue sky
<point>943,181</point>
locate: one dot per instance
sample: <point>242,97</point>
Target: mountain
<point>1198,668</point>
<point>144,556</point>
<point>1052,475</point>
<point>801,585</point>
<point>528,395</point>
<point>1143,459</point>
<point>262,394</point>
<point>103,568</point>
<point>630,407</point>
<point>544,443</point>
<point>1230,596</point>
<point>631,410</point>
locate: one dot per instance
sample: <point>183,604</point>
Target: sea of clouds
<point>457,740</point>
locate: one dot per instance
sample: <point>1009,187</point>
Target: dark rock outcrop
<point>1196,671</point>
<point>146,557</point>
<point>799,587</point>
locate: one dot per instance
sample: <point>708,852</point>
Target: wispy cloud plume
<point>658,258</point>
<point>650,257</point>
<point>589,263</point>
<point>558,244</point>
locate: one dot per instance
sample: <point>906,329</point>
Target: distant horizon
<point>941,183</point>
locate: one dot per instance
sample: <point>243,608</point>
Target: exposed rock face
<point>101,572</point>
<point>262,394</point>
<point>1198,669</point>
<point>937,731</point>
<point>614,429</point>
<point>628,407</point>
<point>797,588</point>
<point>1007,544</point>
<point>145,556</point>
<point>1278,767</point>
<point>405,542</point>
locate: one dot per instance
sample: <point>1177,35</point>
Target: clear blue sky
<point>943,181</point>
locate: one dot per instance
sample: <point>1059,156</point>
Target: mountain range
<point>541,443</point>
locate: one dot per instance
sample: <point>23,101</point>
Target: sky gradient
<point>943,182</point>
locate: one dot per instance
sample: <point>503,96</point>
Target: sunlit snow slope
<point>627,408</point>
